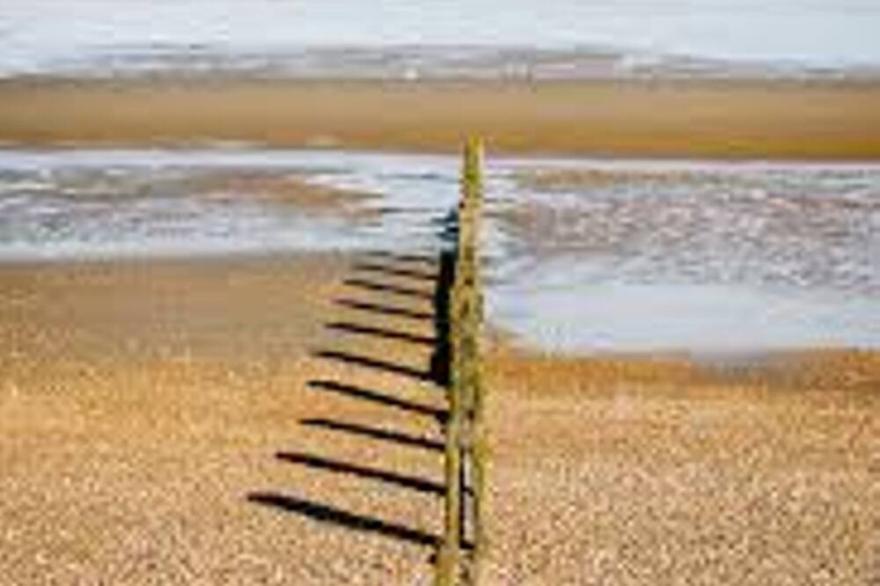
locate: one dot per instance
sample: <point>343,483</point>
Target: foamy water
<point>680,255</point>
<point>582,255</point>
<point>75,204</point>
<point>563,38</point>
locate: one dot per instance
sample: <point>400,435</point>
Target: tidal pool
<point>581,255</point>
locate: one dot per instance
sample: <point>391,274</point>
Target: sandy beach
<point>246,421</point>
<point>685,118</point>
<point>256,418</point>
<point>280,281</point>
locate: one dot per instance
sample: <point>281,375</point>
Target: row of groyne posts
<point>464,543</point>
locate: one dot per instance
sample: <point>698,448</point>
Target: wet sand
<point>223,422</point>
<point>730,119</point>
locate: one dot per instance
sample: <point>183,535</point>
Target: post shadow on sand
<point>375,364</point>
<point>427,260</point>
<point>380,266</point>
<point>375,433</point>
<point>438,371</point>
<point>347,468</point>
<point>384,310</point>
<point>355,328</point>
<point>394,271</point>
<point>341,518</point>
<point>391,289</point>
<point>378,397</point>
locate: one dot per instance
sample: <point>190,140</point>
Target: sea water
<point>640,256</point>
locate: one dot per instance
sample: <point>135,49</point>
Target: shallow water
<point>70,204</point>
<point>582,255</point>
<point>690,256</point>
<point>403,38</point>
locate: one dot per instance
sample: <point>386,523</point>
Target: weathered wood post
<point>465,441</point>
<point>475,390</point>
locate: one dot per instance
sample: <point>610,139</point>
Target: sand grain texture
<point>210,423</point>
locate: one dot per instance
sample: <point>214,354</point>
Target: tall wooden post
<point>477,437</point>
<point>463,443</point>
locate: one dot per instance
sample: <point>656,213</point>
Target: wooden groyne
<point>466,451</point>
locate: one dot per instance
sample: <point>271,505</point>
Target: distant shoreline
<point>724,118</point>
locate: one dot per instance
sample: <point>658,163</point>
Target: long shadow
<point>440,358</point>
<point>392,271</point>
<point>390,289</point>
<point>392,210</point>
<point>335,516</point>
<point>385,310</point>
<point>423,259</point>
<point>376,397</point>
<point>375,433</point>
<point>379,267</point>
<point>365,330</point>
<point>410,482</point>
<point>375,363</point>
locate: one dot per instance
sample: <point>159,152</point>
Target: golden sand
<point>217,422</point>
<point>660,472</point>
<point>152,411</point>
<point>782,119</point>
